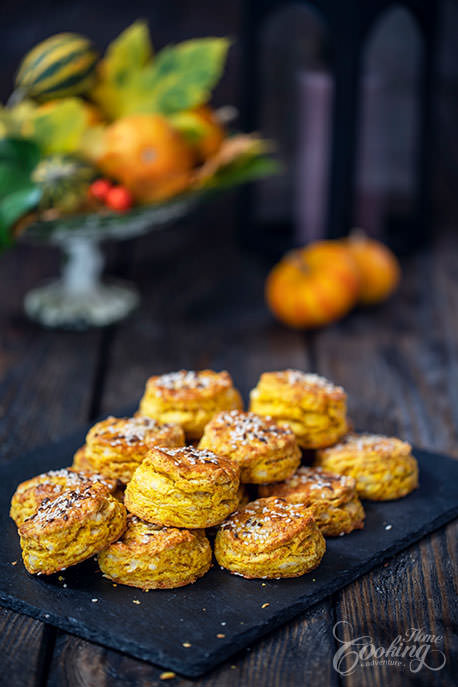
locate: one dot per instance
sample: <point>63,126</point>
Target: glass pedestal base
<point>53,305</point>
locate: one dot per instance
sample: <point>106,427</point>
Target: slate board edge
<point>201,664</point>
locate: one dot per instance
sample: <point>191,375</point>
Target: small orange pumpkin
<point>313,286</point>
<point>378,266</point>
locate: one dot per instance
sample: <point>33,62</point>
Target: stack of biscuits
<point>146,493</point>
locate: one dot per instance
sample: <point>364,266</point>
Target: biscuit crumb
<point>136,601</point>
<point>220,635</point>
<point>263,584</point>
<point>60,578</point>
<point>265,605</point>
<point>204,609</point>
<point>13,562</point>
<point>187,645</point>
<point>167,675</point>
<point>114,584</point>
<point>233,667</point>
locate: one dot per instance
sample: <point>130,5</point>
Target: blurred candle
<point>315,95</point>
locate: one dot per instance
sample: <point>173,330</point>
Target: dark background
<point>290,42</point>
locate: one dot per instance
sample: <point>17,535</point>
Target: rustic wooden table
<point>203,307</point>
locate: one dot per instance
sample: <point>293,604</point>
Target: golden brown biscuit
<point>184,487</point>
<point>189,398</point>
<point>333,499</point>
<point>80,461</point>
<point>313,407</point>
<point>270,538</point>
<point>115,447</point>
<point>70,528</point>
<point>155,557</point>
<point>30,494</point>
<point>265,451</point>
<point>383,467</point>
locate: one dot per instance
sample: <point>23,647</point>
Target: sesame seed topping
<point>311,380</point>
<point>168,675</point>
<point>246,428</point>
<point>183,379</point>
<point>51,509</point>
<point>130,431</point>
<point>189,454</point>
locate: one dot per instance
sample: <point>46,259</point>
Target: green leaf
<point>127,53</point>
<point>12,178</point>
<point>181,77</point>
<point>13,206</point>
<point>242,171</point>
<point>19,152</point>
<point>60,128</point>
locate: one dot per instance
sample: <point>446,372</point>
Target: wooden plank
<point>399,366</point>
<point>45,392</point>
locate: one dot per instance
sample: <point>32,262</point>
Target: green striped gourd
<point>64,181</point>
<point>62,65</point>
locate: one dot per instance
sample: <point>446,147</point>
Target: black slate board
<point>156,629</point>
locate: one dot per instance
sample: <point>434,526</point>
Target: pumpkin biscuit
<point>383,467</point>
<point>265,451</point>
<point>333,499</point>
<point>184,487</point>
<point>314,408</point>
<point>115,447</point>
<point>189,399</point>
<point>270,538</point>
<point>154,557</point>
<point>70,528</point>
<point>80,461</point>
<point>30,494</point>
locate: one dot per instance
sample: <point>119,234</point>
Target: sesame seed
<point>136,601</point>
<point>13,562</point>
<point>388,527</point>
<point>220,635</point>
<point>187,645</point>
<point>265,605</point>
<point>167,675</point>
<point>94,601</point>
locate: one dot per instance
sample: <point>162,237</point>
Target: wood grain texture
<point>38,370</point>
<point>406,384</point>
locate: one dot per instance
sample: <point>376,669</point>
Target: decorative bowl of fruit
<point>95,149</point>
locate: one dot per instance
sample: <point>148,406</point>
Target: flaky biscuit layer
<point>270,538</point>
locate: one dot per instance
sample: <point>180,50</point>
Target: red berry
<point>119,198</point>
<point>99,189</point>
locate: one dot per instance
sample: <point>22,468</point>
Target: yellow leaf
<point>129,52</point>
<point>58,127</point>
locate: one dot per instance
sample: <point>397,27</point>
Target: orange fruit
<point>314,285</point>
<point>378,266</point>
<point>147,156</point>
<point>213,133</point>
